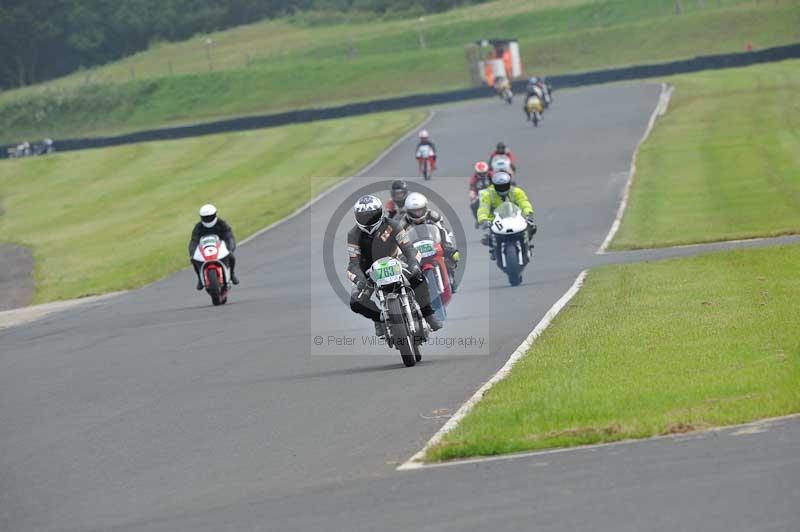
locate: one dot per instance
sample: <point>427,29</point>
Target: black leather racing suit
<point>223,230</point>
<point>388,240</point>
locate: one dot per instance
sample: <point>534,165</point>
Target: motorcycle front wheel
<point>214,289</point>
<point>402,339</point>
<point>513,268</point>
<point>436,297</point>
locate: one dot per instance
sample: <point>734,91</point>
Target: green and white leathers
<point>491,200</point>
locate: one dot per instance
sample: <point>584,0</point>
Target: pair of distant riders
<point>492,183</point>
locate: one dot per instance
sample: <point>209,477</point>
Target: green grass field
<point>301,62</point>
<point>723,163</point>
<point>118,218</point>
<point>649,349</point>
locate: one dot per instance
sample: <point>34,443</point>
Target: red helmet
<point>481,167</point>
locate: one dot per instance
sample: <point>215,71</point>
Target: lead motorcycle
<point>406,329</point>
<point>427,239</point>
<point>509,243</point>
<point>214,271</point>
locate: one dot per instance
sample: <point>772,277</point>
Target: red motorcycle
<point>215,272</point>
<point>425,159</point>
<point>427,239</point>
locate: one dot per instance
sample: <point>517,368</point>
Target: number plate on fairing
<point>426,248</point>
<point>386,271</point>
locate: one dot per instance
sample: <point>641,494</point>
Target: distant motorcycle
<point>427,239</point>
<point>406,329</point>
<point>503,89</point>
<point>425,157</point>
<point>534,109</point>
<point>508,241</point>
<point>214,272</point>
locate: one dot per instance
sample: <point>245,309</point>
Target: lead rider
<point>374,237</point>
<point>211,224</point>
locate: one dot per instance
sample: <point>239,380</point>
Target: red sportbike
<point>426,160</point>
<point>214,272</point>
<point>427,239</point>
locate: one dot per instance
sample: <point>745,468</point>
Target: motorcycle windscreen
<point>424,232</point>
<point>508,210</point>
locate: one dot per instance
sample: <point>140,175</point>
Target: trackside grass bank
<point>312,62</point>
<point>118,218</point>
<point>723,163</point>
<point>648,349</point>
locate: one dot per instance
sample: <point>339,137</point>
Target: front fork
<point>407,308</point>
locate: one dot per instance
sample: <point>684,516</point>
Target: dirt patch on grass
<point>682,428</point>
<point>16,275</point>
<point>603,432</point>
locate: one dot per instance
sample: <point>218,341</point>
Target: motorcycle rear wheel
<point>402,339</point>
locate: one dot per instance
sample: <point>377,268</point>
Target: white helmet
<point>502,183</point>
<point>501,163</point>
<point>208,215</point>
<point>423,134</point>
<point>416,207</point>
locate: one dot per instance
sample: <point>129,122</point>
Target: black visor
<point>417,214</point>
<point>503,189</point>
<point>209,218</point>
<point>369,218</point>
<point>399,195</point>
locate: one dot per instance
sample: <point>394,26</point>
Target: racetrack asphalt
<point>155,411</point>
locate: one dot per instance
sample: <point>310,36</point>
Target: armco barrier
<point>696,64</point>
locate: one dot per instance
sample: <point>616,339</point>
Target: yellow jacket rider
<point>499,191</point>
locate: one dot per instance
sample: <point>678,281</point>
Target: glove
<point>531,223</point>
<point>485,225</point>
<point>361,284</point>
<point>413,270</point>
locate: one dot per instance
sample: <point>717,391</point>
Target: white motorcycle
<point>214,271</point>
<point>406,329</point>
<point>509,242</point>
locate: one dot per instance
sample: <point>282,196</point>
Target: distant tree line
<point>43,39</point>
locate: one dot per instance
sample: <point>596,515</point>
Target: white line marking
<point>20,316</point>
<point>343,182</point>
<point>661,108</point>
<point>416,461</point>
<point>745,428</point>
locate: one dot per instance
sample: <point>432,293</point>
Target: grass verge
<point>278,65</point>
<point>723,163</point>
<point>648,349</point>
<point>118,218</point>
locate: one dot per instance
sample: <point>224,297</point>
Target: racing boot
<point>434,322</point>
<point>234,279</point>
<point>380,329</point>
<point>199,284</point>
